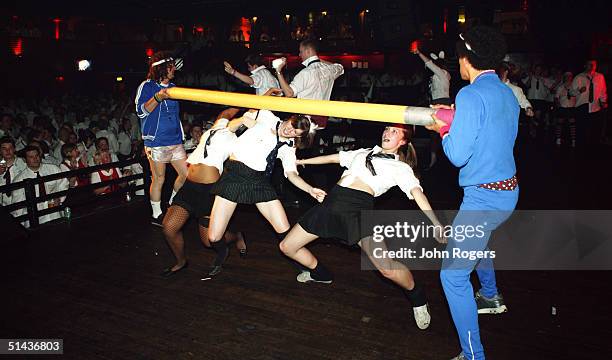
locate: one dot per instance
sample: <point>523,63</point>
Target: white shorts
<point>166,154</point>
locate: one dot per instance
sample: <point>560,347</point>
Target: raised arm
<point>240,76</point>
<point>287,90</point>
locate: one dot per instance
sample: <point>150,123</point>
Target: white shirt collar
<point>258,69</point>
<point>377,149</point>
<point>309,60</point>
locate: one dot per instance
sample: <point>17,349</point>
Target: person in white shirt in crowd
<point>591,97</point>
<point>48,133</point>
<point>194,198</point>
<point>315,81</point>
<point>370,173</point>
<point>502,72</point>
<point>125,139</point>
<point>565,112</point>
<point>196,134</point>
<point>100,144</point>
<point>10,166</point>
<point>439,92</point>
<point>46,157</point>
<point>73,161</point>
<point>261,78</point>
<point>103,126</point>
<point>86,144</point>
<point>7,126</point>
<point>36,168</point>
<point>104,157</point>
<point>538,91</point>
<point>62,138</point>
<point>246,175</point>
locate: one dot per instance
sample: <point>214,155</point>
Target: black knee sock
<point>222,251</point>
<point>321,273</point>
<point>416,295</point>
<point>296,265</point>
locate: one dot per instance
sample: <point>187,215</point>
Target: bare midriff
<point>203,174</point>
<point>355,183</point>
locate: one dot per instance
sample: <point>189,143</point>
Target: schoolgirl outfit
<point>246,176</point>
<point>339,214</point>
<point>214,148</point>
<point>161,129</point>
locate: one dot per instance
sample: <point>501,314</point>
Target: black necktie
<point>272,155</point>
<point>212,132</point>
<point>537,84</point>
<point>371,156</point>
<point>591,95</point>
<point>7,179</point>
<point>569,96</point>
<point>41,186</point>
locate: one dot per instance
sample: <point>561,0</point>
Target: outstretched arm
<point>296,180</point>
<point>320,160</point>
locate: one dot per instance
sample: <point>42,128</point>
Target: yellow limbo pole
<point>342,109</point>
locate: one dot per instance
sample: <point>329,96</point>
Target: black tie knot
<point>371,156</point>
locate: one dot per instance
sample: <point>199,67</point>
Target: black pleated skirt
<point>339,216</point>
<point>243,185</point>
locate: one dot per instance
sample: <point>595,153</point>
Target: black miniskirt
<point>339,216</point>
<point>243,185</point>
<point>195,198</point>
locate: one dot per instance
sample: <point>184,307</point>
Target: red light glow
<point>57,29</point>
<point>17,47</point>
<point>149,52</point>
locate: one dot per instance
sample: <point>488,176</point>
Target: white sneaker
<point>421,316</point>
<point>304,277</point>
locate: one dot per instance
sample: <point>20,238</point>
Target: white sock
<point>172,196</point>
<point>156,206</point>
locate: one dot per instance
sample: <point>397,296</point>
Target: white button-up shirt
<point>18,166</point>
<point>600,93</point>
<point>541,91</point>
<point>253,147</point>
<point>263,80</point>
<point>50,187</point>
<point>389,172</point>
<point>564,96</point>
<point>316,81</point>
<point>519,95</point>
<point>219,149</point>
<point>439,86</point>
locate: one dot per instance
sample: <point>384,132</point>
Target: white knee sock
<point>172,196</point>
<point>156,206</point>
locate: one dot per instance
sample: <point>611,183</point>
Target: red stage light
<point>57,29</point>
<point>149,52</point>
<point>17,47</point>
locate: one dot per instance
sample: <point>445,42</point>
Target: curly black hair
<point>159,72</point>
<point>483,46</point>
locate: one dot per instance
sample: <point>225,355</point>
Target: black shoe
<point>168,272</point>
<point>243,252</point>
<point>158,221</point>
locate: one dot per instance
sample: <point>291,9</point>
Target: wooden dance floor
<point>95,284</point>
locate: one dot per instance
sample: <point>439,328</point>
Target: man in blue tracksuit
<point>162,131</point>
<point>480,141</point>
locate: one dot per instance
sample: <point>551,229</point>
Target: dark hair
<point>31,148</point>
<point>254,59</point>
<point>41,145</point>
<point>33,134</point>
<point>66,150</point>
<point>503,66</point>
<point>310,43</point>
<point>7,140</point>
<point>487,47</point>
<point>159,72</point>
<point>302,122</point>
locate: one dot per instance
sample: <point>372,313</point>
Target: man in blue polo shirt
<point>480,142</point>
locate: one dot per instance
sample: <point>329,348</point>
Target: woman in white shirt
<point>370,173</point>
<point>194,198</point>
<point>439,90</point>
<point>246,176</point>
